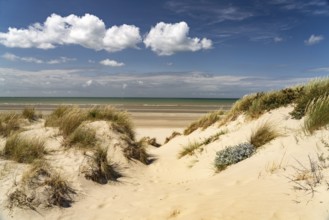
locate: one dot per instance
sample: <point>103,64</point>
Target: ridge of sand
<point>259,187</point>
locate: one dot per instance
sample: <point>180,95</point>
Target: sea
<point>197,105</point>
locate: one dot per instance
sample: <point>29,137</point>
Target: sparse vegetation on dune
<point>317,114</point>
<point>137,150</point>
<point>204,122</point>
<point>68,118</point>
<point>30,114</point>
<point>82,137</point>
<point>9,123</point>
<point>23,150</point>
<point>189,149</point>
<point>263,134</point>
<point>41,185</point>
<point>312,91</point>
<point>173,135</point>
<point>99,169</point>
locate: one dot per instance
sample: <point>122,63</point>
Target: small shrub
<point>189,149</point>
<point>137,151</point>
<point>82,138</point>
<point>9,123</point>
<point>29,113</point>
<point>233,155</point>
<point>100,170</point>
<point>263,134</point>
<point>317,114</point>
<point>23,150</point>
<point>204,122</point>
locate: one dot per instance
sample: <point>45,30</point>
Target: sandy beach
<point>267,185</point>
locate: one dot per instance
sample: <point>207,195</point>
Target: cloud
<point>314,39</point>
<point>166,39</point>
<point>13,57</point>
<point>113,63</point>
<point>87,31</point>
<point>311,7</point>
<point>277,39</point>
<point>321,69</point>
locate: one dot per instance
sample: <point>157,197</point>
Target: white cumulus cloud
<point>166,39</point>
<point>314,39</point>
<point>113,63</point>
<point>88,31</point>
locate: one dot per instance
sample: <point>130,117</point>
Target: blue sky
<point>164,48</point>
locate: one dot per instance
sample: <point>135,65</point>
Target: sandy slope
<point>259,187</point>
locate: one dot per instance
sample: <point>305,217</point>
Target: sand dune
<point>264,186</point>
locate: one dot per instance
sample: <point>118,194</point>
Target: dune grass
<point>69,118</point>
<point>311,92</point>
<point>137,150</point>
<point>41,185</point>
<point>9,123</point>
<point>263,134</point>
<point>100,169</point>
<point>317,114</point>
<point>30,114</point>
<point>213,138</point>
<point>204,122</point>
<point>82,137</point>
<point>173,135</point>
<point>23,150</point>
<point>189,149</point>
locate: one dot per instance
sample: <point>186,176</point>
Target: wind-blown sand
<point>259,187</point>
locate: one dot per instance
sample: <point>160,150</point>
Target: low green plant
<point>23,150</point>
<point>82,137</point>
<point>204,122</point>
<point>317,114</point>
<point>100,170</point>
<point>233,155</point>
<point>263,134</point>
<point>189,149</point>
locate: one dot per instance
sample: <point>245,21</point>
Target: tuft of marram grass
<point>204,122</point>
<point>82,137</point>
<point>311,92</point>
<point>100,170</point>
<point>41,185</point>
<point>29,113</point>
<point>137,150</point>
<point>23,150</point>
<point>69,118</point>
<point>317,114</point>
<point>9,123</point>
<point>189,149</point>
<point>263,134</point>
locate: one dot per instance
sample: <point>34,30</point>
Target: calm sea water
<point>114,101</point>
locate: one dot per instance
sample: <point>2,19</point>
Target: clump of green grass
<point>173,135</point>
<point>189,149</point>
<point>41,185</point>
<point>213,138</point>
<point>30,114</point>
<point>70,118</point>
<point>100,170</point>
<point>204,122</point>
<point>263,134</point>
<point>23,150</point>
<point>317,114</point>
<point>137,150</point>
<point>82,137</point>
<point>9,123</point>
<point>310,92</point>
